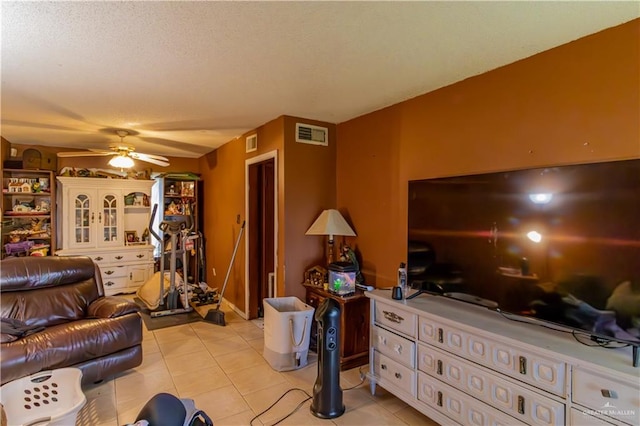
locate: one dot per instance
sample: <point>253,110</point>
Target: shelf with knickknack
<point>177,195</point>
<point>28,222</point>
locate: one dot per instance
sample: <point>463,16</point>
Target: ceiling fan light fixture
<point>121,162</point>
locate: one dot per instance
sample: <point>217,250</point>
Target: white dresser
<point>94,218</point>
<point>463,364</point>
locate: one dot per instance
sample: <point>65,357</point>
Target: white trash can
<point>287,326</point>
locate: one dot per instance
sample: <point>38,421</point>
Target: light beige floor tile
<point>251,333</point>
<point>303,416</point>
<point>387,399</point>
<point>263,399</point>
<point>257,344</point>
<point>241,419</point>
<point>370,414</point>
<point>218,347</point>
<point>413,417</point>
<point>357,397</point>
<point>207,331</point>
<point>243,326</point>
<point>349,378</point>
<point>151,362</point>
<point>178,364</point>
<point>255,378</point>
<point>200,381</point>
<point>127,413</point>
<point>240,360</point>
<point>150,345</point>
<point>175,333</point>
<point>140,385</point>
<point>181,347</point>
<point>99,409</point>
<point>94,390</point>
<point>303,377</point>
<point>220,403</point>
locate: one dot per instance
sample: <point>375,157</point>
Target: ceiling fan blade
<point>141,156</point>
<point>92,153</point>
<point>152,160</point>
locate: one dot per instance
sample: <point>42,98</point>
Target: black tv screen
<point>560,244</point>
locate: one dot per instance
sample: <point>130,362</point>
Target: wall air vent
<point>315,135</point>
<point>252,143</point>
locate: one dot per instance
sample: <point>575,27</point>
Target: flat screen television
<point>559,244</point>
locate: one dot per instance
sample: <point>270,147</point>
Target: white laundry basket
<point>51,398</point>
<point>287,326</point>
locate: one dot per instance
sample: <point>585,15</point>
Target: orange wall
<point>306,186</point>
<point>577,103</point>
<point>223,174</point>
<point>309,188</point>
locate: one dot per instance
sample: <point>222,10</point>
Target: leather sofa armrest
<point>111,307</point>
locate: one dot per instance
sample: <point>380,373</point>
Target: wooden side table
<point>354,324</point>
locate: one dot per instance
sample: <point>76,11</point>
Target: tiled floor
<point>223,371</point>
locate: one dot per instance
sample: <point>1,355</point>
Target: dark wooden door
<point>261,233</point>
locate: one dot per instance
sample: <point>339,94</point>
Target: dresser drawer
<point>527,366</point>
<point>396,347</point>
<point>394,373</point>
<point>499,392</point>
<point>119,257</point>
<point>582,418</point>
<point>606,396</point>
<point>110,271</point>
<point>395,318</point>
<point>131,256</point>
<point>458,406</point>
<point>114,284</point>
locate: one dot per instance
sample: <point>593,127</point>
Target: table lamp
<point>330,222</point>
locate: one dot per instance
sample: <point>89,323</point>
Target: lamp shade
<point>330,222</point>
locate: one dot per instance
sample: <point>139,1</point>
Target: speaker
<point>327,394</point>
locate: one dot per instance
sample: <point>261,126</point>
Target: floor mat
<point>166,321</point>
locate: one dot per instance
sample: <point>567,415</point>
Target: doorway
<point>261,244</point>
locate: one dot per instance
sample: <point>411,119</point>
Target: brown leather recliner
<point>63,298</point>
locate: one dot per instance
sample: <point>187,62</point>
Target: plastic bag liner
<point>287,326</point>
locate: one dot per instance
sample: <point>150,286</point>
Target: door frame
<point>247,163</point>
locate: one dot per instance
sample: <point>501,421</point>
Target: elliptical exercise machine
<point>174,229</point>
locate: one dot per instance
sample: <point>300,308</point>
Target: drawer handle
<point>439,368</point>
<point>393,317</point>
<point>99,258</point>
<point>520,404</point>
<point>522,365</point>
<point>139,256</point>
<point>108,272</point>
<point>439,399</point>
<point>382,340</point>
<point>440,335</point>
<point>92,216</point>
<point>119,257</point>
<point>383,366</point>
<point>109,283</point>
<point>398,376</point>
<point>398,349</point>
<point>609,393</point>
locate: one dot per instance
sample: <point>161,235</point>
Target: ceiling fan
<point>123,154</point>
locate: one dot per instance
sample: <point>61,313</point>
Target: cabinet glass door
<point>109,220</point>
<point>82,222</point>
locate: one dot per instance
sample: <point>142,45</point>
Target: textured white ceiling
<point>190,76</point>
